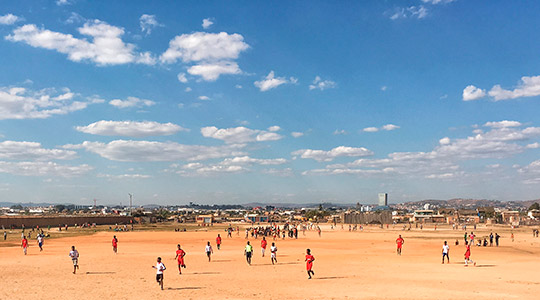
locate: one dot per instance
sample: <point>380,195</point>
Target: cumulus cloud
<point>38,168</point>
<point>503,124</point>
<point>297,134</point>
<point>286,172</point>
<point>130,128</point>
<point>137,151</point>
<point>106,47</point>
<point>214,54</point>
<point>206,23</point>
<point>229,165</point>
<point>443,161</point>
<point>528,87</point>
<point>212,71</point>
<point>204,98</point>
<point>322,85</point>
<point>239,135</point>
<point>21,103</point>
<point>14,150</point>
<point>124,176</point>
<point>340,132</point>
<point>131,102</point>
<point>473,93</point>
<point>341,151</point>
<point>63,2</point>
<point>147,23</point>
<point>387,127</point>
<point>9,19</point>
<point>274,128</point>
<point>182,77</point>
<point>271,82</point>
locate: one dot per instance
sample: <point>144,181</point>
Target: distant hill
<point>473,203</point>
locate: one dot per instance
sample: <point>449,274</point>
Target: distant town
<point>453,211</point>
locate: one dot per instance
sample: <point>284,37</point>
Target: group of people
<point>470,238</point>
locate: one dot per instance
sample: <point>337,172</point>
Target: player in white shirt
<point>160,267</point>
<point>445,252</point>
<point>273,250</point>
<point>74,254</point>
<point>209,250</point>
<point>40,242</point>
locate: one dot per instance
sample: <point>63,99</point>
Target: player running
<point>218,241</point>
<point>309,263</point>
<point>209,251</point>
<point>40,242</point>
<point>273,250</point>
<point>115,245</point>
<point>468,255</point>
<point>160,267</point>
<point>74,254</point>
<point>24,244</point>
<point>399,241</point>
<point>445,252</point>
<point>263,245</point>
<point>180,257</point>
<point>248,251</point>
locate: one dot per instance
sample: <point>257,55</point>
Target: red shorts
<point>181,262</point>
<point>309,265</point>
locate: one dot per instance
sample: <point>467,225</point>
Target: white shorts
<point>75,261</point>
<point>272,255</point>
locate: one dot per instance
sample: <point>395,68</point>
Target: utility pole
<point>130,203</point>
<point>95,201</point>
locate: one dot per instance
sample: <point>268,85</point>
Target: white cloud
<point>246,160</point>
<point>130,128</point>
<point>21,103</point>
<point>341,151</point>
<point>131,102</point>
<point>322,85</point>
<point>214,53</point>
<point>106,47</point>
<point>437,1</point>
<point>297,134</point>
<point>32,151</point>
<point>203,46</point>
<point>340,132</point>
<point>182,77</point>
<point>188,89</point>
<point>147,23</point>
<point>533,146</point>
<point>389,127</point>
<point>418,12</point>
<point>212,71</point>
<point>528,87</point>
<point>370,129</point>
<point>43,169</point>
<point>63,2</point>
<point>204,98</point>
<point>473,93</point>
<point>126,150</point>
<point>239,135</point>
<point>238,86</point>
<point>503,124</point>
<point>9,19</point>
<point>271,82</point>
<point>384,88</point>
<point>286,172</point>
<point>75,18</point>
<point>206,23</point>
<point>124,176</point>
<point>274,128</point>
<point>442,161</point>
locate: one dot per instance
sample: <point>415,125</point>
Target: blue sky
<point>242,101</point>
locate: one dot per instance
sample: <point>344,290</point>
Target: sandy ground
<point>349,265</point>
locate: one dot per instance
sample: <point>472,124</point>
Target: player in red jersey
<point>218,241</point>
<point>400,241</point>
<point>180,257</point>
<point>115,245</point>
<point>309,263</point>
<point>468,254</point>
<point>263,245</point>
<point>24,244</point>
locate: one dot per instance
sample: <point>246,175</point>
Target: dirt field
<point>349,265</point>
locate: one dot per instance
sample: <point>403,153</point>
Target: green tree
<point>535,205</point>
